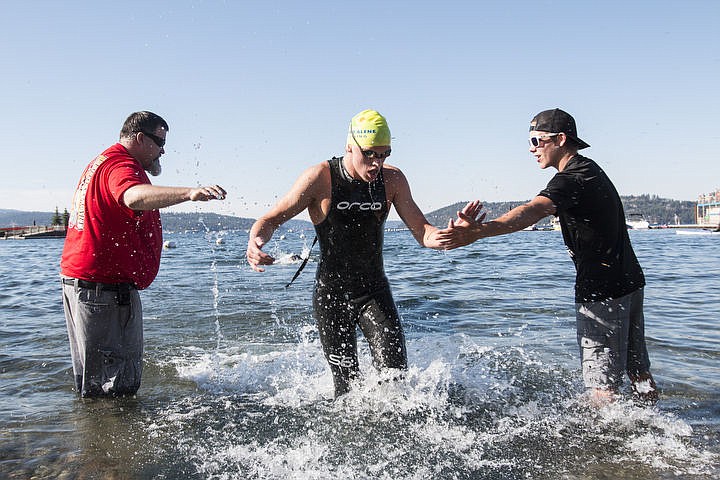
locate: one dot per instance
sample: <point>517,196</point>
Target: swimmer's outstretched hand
<point>255,255</point>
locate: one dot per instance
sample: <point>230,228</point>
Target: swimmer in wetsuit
<point>348,200</point>
<point>351,288</point>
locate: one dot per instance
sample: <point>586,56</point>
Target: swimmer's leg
<point>380,323</point>
<point>336,325</point>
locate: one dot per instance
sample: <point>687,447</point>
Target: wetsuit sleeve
<point>564,191</point>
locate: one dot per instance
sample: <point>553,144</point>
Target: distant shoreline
<point>659,212</point>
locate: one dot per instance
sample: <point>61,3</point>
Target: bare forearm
<point>263,228</point>
<point>152,197</point>
<point>428,237</point>
<point>515,220</point>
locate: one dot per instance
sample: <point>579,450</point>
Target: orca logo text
<point>359,206</point>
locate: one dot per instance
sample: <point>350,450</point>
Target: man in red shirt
<point>112,250</point>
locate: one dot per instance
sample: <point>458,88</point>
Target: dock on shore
<point>34,231</point>
<point>684,226</point>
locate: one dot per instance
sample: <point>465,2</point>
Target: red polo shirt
<point>106,241</point>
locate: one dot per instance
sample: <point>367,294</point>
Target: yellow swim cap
<point>369,129</point>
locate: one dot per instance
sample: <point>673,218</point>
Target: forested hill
<point>656,210</point>
<point>179,222</point>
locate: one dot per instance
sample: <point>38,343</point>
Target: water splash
<point>215,287</point>
<point>461,410</point>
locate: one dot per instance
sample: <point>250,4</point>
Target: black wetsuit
<point>351,288</point>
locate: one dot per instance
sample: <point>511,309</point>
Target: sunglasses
<point>374,154</point>
<point>159,141</point>
<point>537,141</point>
<point>371,153</point>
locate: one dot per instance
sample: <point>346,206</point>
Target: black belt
<point>111,287</point>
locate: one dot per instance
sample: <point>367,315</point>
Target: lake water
<point>235,384</point>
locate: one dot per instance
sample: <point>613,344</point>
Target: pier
<point>34,231</point>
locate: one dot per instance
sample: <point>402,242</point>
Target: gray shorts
<point>105,330</point>
<point>611,336</point>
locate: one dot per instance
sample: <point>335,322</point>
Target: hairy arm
<point>152,197</point>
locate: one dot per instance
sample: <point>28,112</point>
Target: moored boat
<point>636,221</point>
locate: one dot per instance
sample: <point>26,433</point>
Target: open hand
<point>211,192</point>
<point>470,214</point>
<point>255,255</point>
<point>465,229</point>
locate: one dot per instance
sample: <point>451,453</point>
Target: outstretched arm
<point>468,229</point>
<point>303,193</point>
<point>152,197</point>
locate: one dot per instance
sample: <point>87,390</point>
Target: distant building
<point>708,209</point>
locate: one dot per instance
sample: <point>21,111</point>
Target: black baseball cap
<point>557,121</point>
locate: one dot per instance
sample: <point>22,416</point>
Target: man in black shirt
<point>609,282</point>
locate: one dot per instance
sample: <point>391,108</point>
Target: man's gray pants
<point>105,330</point>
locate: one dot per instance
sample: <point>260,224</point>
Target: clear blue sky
<point>256,91</point>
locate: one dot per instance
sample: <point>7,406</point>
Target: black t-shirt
<point>594,230</point>
<point>351,236</point>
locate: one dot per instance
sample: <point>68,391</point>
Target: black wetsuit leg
<point>380,323</point>
<point>338,318</point>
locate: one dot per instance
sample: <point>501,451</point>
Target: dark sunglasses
<point>159,141</point>
<point>374,154</point>
<point>537,141</point>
